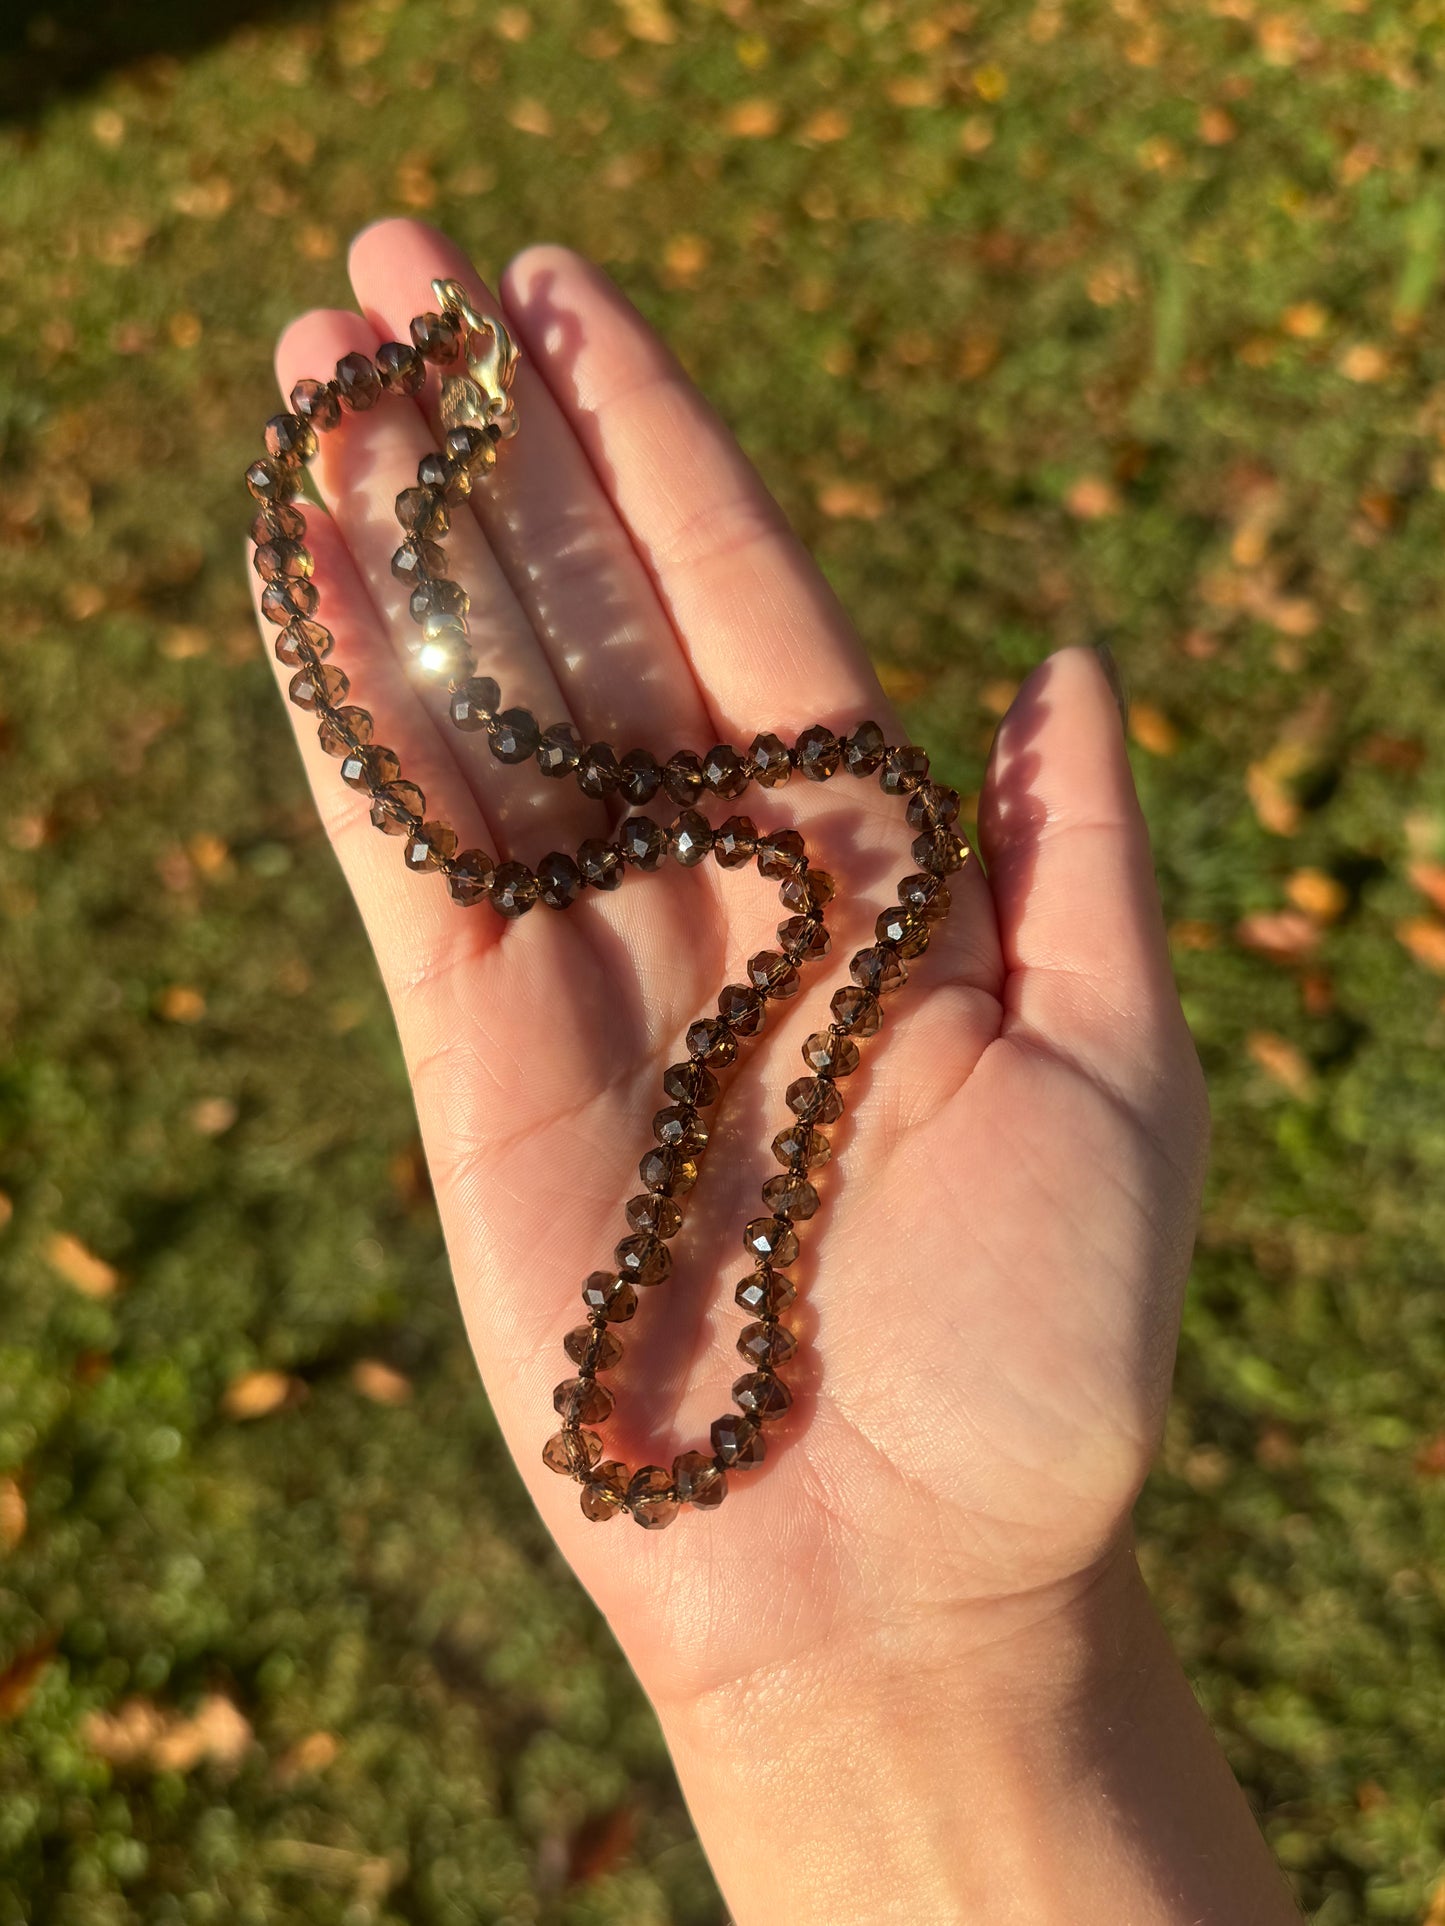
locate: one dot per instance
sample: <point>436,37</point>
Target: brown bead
<point>513,735</point>
<point>642,841</point>
<point>592,1347</point>
<point>856,1012</point>
<point>723,772</point>
<point>402,370</point>
<point>903,770</point>
<point>772,760</point>
<point>416,559</point>
<point>765,1293</point>
<point>559,750</point>
<point>818,753</point>
<point>831,1055</point>
<point>772,1239</point>
<point>941,851</point>
<point>668,1171</point>
<point>932,807</point>
<point>801,1147</point>
<point>710,1041</point>
<point>679,1127</point>
<point>344,730</point>
<point>652,1498</point>
<point>643,1259</point>
<point>430,846</point>
<point>772,973</point>
<point>357,382</point>
<point>698,1481</point>
<point>682,777</point>
<point>282,561</point>
<point>319,684</point>
<point>303,642</point>
<point>470,877</point>
<point>424,511</point>
<point>690,1083</point>
<point>370,768</point>
<point>605,1492</point>
<point>781,853</point>
<point>582,1401</point>
<point>761,1395</point>
<point>790,1195</point>
<point>689,838</point>
<point>879,970</point>
<point>808,893</point>
<point>737,1440</point>
<point>473,703</point>
<point>601,864</point>
<point>660,1215</point>
<point>863,750</point>
<point>734,844</point>
<point>572,1453</point>
<point>288,598</point>
<point>277,521</point>
<point>559,881</point>
<point>927,894</point>
<point>804,939</point>
<point>466,442</point>
<point>764,1343</point>
<point>316,402</point>
<point>815,1100</point>
<point>610,1296</point>
<point>397,808</point>
<point>904,930</point>
<point>742,1009</point>
<point>289,438</point>
<point>598,774</point>
<point>513,889</point>
<point>436,336</point>
<point>272,481</point>
<point>641,777</point>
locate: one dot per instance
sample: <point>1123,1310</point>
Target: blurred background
<point>1048,323</point>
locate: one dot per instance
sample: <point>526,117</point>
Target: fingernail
<point>1115,679</point>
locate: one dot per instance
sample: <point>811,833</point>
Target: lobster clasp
<point>482,395</point>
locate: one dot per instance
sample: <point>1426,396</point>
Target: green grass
<point>1128,318</point>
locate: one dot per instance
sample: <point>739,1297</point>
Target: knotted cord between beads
<point>642,1260</point>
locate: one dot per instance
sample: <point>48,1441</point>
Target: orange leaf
<point>80,1267</point>
<point>1152,729</point>
<point>1280,1061</point>
<point>850,501</point>
<point>1429,879</point>
<point>1284,936</point>
<point>20,1678</point>
<point>258,1393</point>
<point>13,1514</point>
<point>1424,938</point>
<point>1322,898</point>
<point>380,1382</point>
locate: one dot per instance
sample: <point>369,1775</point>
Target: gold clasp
<point>482,394</point>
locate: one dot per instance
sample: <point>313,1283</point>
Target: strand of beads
<point>669,1170</point>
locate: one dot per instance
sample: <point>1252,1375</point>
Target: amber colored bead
<point>470,877</point>
<point>651,1497</point>
<point>318,683</point>
<point>417,558</point>
<point>397,807</point>
<point>772,760</point>
<point>710,1041</point>
<point>514,735</point>
<point>818,753</point>
<point>668,1171</point>
<point>927,894</point>
<point>572,1453</point>
<point>660,1215</point>
<point>742,1009</point>
<point>316,402</point>
<point>436,336</point>
<point>641,777</point>
<point>559,750</point>
<point>303,642</point>
<point>690,1083</point>
<point>772,1239</point>
<point>698,1481</point>
<point>723,771</point>
<point>772,973</point>
<point>369,768</point>
<point>903,770</point>
<point>357,382</point>
<point>643,1259</point>
<point>764,1343</point>
<point>289,438</point>
<point>689,838</point>
<point>513,889</point>
<point>679,1127</point>
<point>831,1055</point>
<point>440,603</point>
<point>344,730</point>
<point>856,1011</point>
<point>813,890</point>
<point>466,442</point>
<point>790,1195</point>
<point>932,807</point>
<point>438,471</point>
<point>282,561</point>
<point>286,599</point>
<point>601,864</point>
<point>815,1099</point>
<point>735,843</point>
<point>879,970</point>
<point>801,1147</point>
<point>642,841</point>
<point>781,854</point>
<point>402,370</point>
<point>592,1347</point>
<point>559,881</point>
<point>597,773</point>
<point>430,846</point>
<point>737,1440</point>
<point>940,851</point>
<point>605,1492</point>
<point>863,749</point>
<point>804,939</point>
<point>272,481</point>
<point>682,776</point>
<point>424,511</point>
<point>765,1293</point>
<point>904,930</point>
<point>277,521</point>
<point>761,1395</point>
<point>582,1401</point>
<point>611,1297</point>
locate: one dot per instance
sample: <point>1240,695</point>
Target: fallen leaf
<point>1322,897</point>
<point>648,20</point>
<point>1152,729</point>
<point>1364,362</point>
<point>380,1382</point>
<point>1216,126</point>
<point>256,1394</point>
<point>21,1676</point>
<point>1424,938</point>
<point>1274,805</point>
<point>310,1755</point>
<point>600,1845</point>
<point>212,1116</point>
<point>828,124</point>
<point>182,1003</point>
<point>1305,321</point>
<point>530,116</point>
<point>851,501</point>
<point>139,1732</point>
<point>1280,1061</point>
<point>684,258</point>
<point>13,1514</point>
<point>1429,879</point>
<point>7,1209</point>
<point>1092,498</point>
<point>513,23</point>
<point>1284,936</point>
<point>756,119</point>
<point>89,1274</point>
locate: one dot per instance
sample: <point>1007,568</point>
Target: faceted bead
<point>318,684</point>
<point>927,894</point>
<point>773,974</point>
<point>813,890</point>
<point>679,1127</point>
<point>682,776</point>
<point>856,1012</point>
<point>470,877</point>
<point>417,558</point>
<point>737,1440</point>
<point>466,442</point>
<point>396,807</point>
<point>357,382</point>
<point>941,851</point>
<point>424,511</point>
<point>690,1083</point>
<point>723,771</point>
<point>831,1055</point>
<point>605,1492</point>
<point>904,930</point>
<point>559,750</point>
<point>571,1453</point>
<point>643,1259</point>
<point>660,1215</point>
<point>429,846</point>
<point>781,854</point>
<point>278,521</point>
<point>592,1347</point>
<point>370,768</point>
<point>689,838</point>
<point>651,1498</point>
<point>402,370</point>
<point>765,1343</point>
<point>761,1395</point>
<point>474,702</point>
<point>879,970</point>
<point>698,1480</point>
<point>513,889</point>
<point>818,753</point>
<point>287,598</point>
<point>642,841</point>
<point>641,777</point>
<point>559,881</point>
<point>270,481</point>
<point>282,561</point>
<point>344,730</point>
<point>815,1100</point>
<point>289,438</point>
<point>804,939</point>
<point>597,773</point>
<point>582,1401</point>
<point>316,402</point>
<point>903,770</point>
<point>863,750</point>
<point>742,1009</point>
<point>734,844</point>
<point>773,1239</point>
<point>436,336</point>
<point>791,1195</point>
<point>302,642</point>
<point>610,1296</point>
<point>514,735</point>
<point>440,604</point>
<point>772,759</point>
<point>710,1041</point>
<point>668,1171</point>
<point>601,864</point>
<point>801,1147</point>
<point>932,807</point>
<point>765,1293</point>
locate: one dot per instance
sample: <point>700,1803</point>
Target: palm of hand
<point>988,1295</point>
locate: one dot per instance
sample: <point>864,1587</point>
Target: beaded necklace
<point>478,414</point>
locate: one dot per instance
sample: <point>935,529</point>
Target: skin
<point>908,1669</point>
